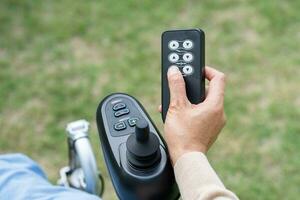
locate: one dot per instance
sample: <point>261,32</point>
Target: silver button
<point>188,57</point>
<point>188,44</point>
<point>187,70</point>
<point>173,57</point>
<point>173,45</point>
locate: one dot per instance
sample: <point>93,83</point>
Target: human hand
<point>189,127</point>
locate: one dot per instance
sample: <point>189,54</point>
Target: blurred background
<point>58,59</point>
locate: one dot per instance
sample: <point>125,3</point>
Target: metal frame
<point>82,172</point>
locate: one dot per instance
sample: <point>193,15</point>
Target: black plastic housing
<point>195,83</point>
<point>130,183</point>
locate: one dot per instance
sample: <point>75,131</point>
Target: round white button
<point>173,57</point>
<point>173,45</point>
<point>187,70</point>
<point>188,44</point>
<point>188,57</point>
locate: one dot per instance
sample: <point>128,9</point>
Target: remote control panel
<point>186,50</point>
<point>135,153</point>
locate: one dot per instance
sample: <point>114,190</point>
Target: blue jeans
<point>21,179</point>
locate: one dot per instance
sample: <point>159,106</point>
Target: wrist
<point>179,152</point>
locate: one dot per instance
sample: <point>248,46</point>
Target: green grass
<point>58,59</point>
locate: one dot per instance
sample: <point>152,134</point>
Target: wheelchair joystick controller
<point>135,154</point>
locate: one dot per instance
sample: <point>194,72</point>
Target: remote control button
<point>187,70</point>
<point>132,121</point>
<point>188,44</point>
<point>173,45</point>
<point>119,106</point>
<point>120,126</point>
<point>188,57</point>
<point>121,112</point>
<point>173,57</point>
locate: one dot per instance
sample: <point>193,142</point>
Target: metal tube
<point>88,164</point>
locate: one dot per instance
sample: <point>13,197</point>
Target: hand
<point>189,127</point>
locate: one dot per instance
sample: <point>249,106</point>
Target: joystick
<point>143,147</point>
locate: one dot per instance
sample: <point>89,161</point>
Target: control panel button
<point>119,106</point>
<point>121,112</point>
<point>188,44</point>
<point>187,70</point>
<point>132,121</point>
<point>120,126</point>
<point>173,45</point>
<point>173,57</point>
<point>188,57</point>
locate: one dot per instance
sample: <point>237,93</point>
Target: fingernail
<point>173,70</point>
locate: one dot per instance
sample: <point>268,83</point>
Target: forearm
<point>22,178</point>
<point>197,180</point>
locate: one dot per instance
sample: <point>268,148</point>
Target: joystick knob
<point>143,149</point>
<point>142,131</point>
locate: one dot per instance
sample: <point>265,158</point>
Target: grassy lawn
<point>58,59</point>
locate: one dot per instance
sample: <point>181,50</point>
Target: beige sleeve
<point>197,180</point>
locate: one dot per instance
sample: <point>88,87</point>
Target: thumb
<point>176,86</point>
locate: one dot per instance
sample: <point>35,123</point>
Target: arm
<point>198,180</point>
<point>22,178</point>
<point>190,130</point>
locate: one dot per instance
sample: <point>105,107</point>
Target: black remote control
<point>186,50</point>
<point>135,153</point>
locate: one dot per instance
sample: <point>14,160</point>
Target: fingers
<point>216,89</point>
<point>176,86</point>
<point>159,108</point>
